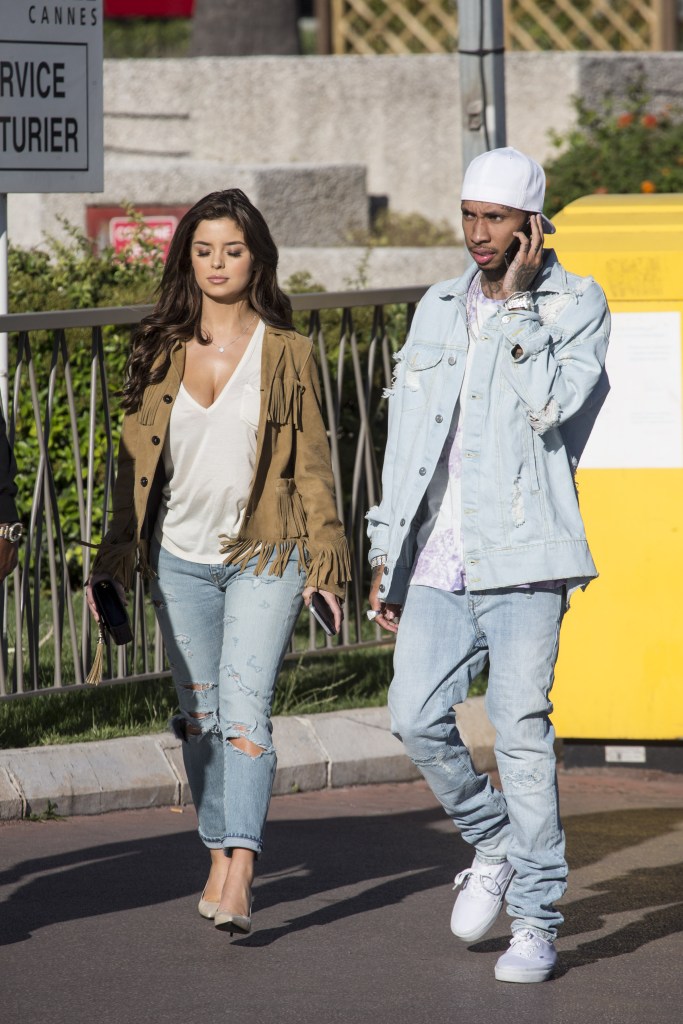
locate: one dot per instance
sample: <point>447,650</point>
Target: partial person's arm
<point>8,469</point>
<point>8,508</point>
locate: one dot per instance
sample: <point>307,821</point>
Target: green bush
<point>72,275</point>
<point>622,146</point>
<point>147,37</point>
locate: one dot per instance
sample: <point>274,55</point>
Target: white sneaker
<point>480,899</point>
<point>529,958</point>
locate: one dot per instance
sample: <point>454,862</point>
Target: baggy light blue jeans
<point>226,634</point>
<point>443,642</point>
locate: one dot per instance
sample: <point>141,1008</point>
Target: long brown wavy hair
<point>178,311</point>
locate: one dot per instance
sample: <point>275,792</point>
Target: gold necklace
<point>222,348</point>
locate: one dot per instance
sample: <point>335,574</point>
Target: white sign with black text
<point>51,96</point>
<point>641,424</point>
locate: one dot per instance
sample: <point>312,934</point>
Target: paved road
<point>98,920</point>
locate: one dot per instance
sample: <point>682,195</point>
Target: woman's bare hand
<point>330,599</point>
<point>89,595</point>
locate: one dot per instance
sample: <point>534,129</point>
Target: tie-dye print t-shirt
<point>440,560</point>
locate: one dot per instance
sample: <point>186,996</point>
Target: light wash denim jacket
<point>526,424</point>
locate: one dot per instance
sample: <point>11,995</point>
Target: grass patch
<point>94,713</point>
<point>329,683</point>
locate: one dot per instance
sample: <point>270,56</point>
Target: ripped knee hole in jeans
<point>183,725</point>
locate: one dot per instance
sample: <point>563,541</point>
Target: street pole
<point>4,299</point>
<point>482,76</point>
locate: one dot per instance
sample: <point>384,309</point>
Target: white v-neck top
<point>209,457</point>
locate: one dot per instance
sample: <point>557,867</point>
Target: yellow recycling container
<point>620,670</point>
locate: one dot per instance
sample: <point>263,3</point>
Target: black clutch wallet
<point>112,611</point>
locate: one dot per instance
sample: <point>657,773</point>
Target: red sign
<point>148,8</point>
<point>111,225</point>
<point>123,232</point>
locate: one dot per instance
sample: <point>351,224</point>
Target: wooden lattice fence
<point>430,26</point>
<point>393,26</point>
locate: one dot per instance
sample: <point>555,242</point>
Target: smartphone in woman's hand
<point>322,613</point>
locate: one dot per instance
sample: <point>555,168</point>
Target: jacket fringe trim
<point>286,401</point>
<point>331,566</point>
<point>143,567</point>
<point>240,553</point>
<point>329,569</point>
<point>292,515</point>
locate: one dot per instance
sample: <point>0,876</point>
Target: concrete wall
<point>397,117</point>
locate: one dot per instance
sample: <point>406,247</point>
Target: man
<point>10,530</point>
<point>478,540</point>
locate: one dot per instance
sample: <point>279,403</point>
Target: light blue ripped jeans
<point>443,642</point>
<point>225,634</point>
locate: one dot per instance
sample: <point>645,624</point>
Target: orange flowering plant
<point>622,146</point>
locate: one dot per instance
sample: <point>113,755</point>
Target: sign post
<point>51,137</point>
<point>482,77</point>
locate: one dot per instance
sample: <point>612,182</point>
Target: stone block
<point>360,748</point>
<point>311,204</point>
<point>11,803</point>
<point>133,772</point>
<point>172,749</point>
<point>89,778</point>
<point>301,762</point>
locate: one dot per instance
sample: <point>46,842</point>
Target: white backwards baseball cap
<point>509,178</point>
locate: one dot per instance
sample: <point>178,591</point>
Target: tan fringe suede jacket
<point>291,503</point>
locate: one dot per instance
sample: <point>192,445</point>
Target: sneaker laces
<point>478,881</point>
<point>532,943</point>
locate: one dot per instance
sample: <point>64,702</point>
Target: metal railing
<point>65,439</point>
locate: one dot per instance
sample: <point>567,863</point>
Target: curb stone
<point>332,749</point>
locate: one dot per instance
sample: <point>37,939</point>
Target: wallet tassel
<point>95,673</point>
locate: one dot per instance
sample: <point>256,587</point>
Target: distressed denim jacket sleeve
<point>554,375</point>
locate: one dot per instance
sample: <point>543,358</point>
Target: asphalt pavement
<point>351,918</point>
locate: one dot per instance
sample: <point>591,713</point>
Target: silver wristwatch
<point>519,300</point>
<point>378,560</point>
<point>12,532</point>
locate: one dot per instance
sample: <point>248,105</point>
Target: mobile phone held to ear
<point>513,248</point>
<point>112,611</point>
<point>322,613</point>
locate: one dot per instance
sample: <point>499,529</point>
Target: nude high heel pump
<point>227,922</point>
<point>207,908</point>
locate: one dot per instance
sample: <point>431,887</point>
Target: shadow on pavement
<point>655,891</point>
<point>324,862</point>
<point>304,859</point>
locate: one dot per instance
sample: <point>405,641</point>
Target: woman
<point>224,498</point>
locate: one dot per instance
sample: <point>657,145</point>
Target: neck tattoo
<point>226,344</point>
<point>471,303</point>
